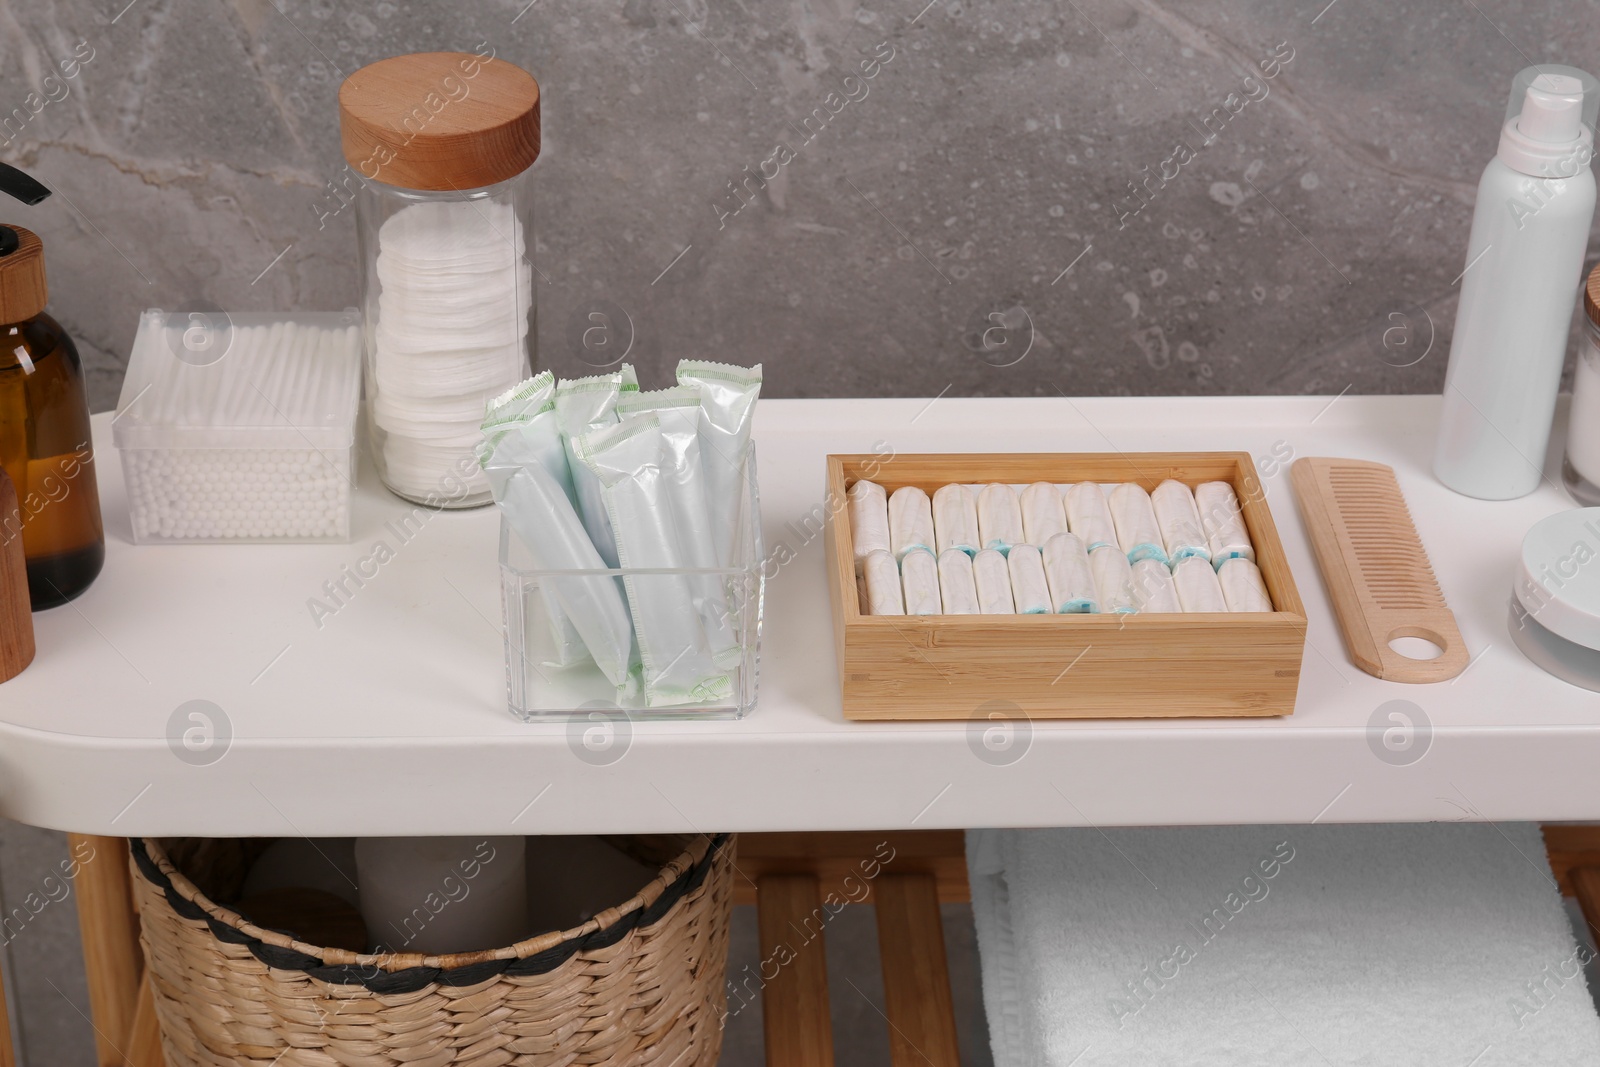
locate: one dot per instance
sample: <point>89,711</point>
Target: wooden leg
<point>144,1042</point>
<point>916,976</point>
<point>1586,888</point>
<point>794,1001</point>
<point>8,1052</point>
<point>110,930</point>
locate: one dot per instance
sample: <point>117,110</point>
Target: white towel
<point>1325,946</point>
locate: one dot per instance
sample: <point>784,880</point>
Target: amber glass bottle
<point>44,433</point>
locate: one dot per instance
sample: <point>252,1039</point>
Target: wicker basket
<point>639,984</point>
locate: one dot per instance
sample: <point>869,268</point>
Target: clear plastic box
<point>240,428</point>
<point>537,690</point>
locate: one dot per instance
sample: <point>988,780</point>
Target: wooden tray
<point>1064,666</point>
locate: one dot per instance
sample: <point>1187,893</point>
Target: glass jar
<point>444,219</point>
<point>45,444</point>
<point>1580,470</point>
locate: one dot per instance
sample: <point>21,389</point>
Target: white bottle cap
<point>1549,127</point>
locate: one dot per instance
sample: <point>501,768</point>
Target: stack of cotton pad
<point>256,445</point>
<point>1043,548</point>
<point>455,291</point>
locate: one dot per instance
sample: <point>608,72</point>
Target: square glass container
<point>539,690</point>
<point>241,427</point>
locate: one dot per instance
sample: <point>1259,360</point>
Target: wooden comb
<point>1375,569</point>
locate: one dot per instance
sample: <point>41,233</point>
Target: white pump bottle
<point>1524,266</point>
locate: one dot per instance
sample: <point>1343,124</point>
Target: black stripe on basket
<point>378,981</point>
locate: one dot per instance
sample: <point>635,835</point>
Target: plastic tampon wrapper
<point>1066,569</point>
<point>1153,588</point>
<point>955,519</point>
<point>1113,579</point>
<point>1043,515</point>
<point>1179,520</point>
<point>1224,526</point>
<point>629,461</point>
<point>1029,590</point>
<point>538,511</point>
<point>677,410</point>
<point>958,589</point>
<point>883,584</point>
<point>582,405</point>
<point>1198,588</point>
<point>1135,519</point>
<point>999,519</point>
<point>919,580</point>
<point>727,407</point>
<point>910,521</point>
<point>869,520</point>
<point>1242,587</point>
<point>1089,516</point>
<point>993,579</point>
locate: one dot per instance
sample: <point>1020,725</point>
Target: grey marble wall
<point>961,222</point>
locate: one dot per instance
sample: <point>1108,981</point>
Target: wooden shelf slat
<point>794,998</point>
<point>916,974</point>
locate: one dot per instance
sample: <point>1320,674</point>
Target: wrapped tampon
<point>1179,520</point>
<point>869,520</point>
<point>1222,523</point>
<point>1242,587</point>
<point>958,589</point>
<point>629,460</point>
<point>883,584</point>
<point>538,511</point>
<point>1113,580</point>
<point>677,409</point>
<point>1089,516</point>
<point>1153,588</point>
<point>1043,515</point>
<point>999,519</point>
<point>728,404</point>
<point>910,521</point>
<point>919,581</point>
<point>583,405</point>
<point>1029,591</point>
<point>955,519</point>
<point>1135,520</point>
<point>1066,569</point>
<point>993,579</point>
<point>529,410</point>
<point>1198,588</point>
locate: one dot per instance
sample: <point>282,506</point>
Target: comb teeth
<point>1390,560</point>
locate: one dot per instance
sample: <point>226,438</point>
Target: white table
<point>389,717</point>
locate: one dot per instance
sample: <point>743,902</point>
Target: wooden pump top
<point>439,120</point>
<point>22,286</point>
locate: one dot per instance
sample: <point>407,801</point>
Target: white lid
<point>252,380</point>
<point>1549,127</point>
<point>1558,576</point>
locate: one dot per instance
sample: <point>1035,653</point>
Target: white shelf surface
<point>388,716</point>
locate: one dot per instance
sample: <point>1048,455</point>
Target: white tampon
<point>1089,516</point>
<point>883,584</point>
<point>1153,588</point>
<point>957,588</point>
<point>999,518</point>
<point>910,521</point>
<point>993,579</point>
<point>1242,587</point>
<point>919,579</point>
<point>955,519</point>
<point>1198,588</point>
<point>869,520</point>
<point>1135,520</point>
<point>1066,569</point>
<point>1043,515</point>
<point>1224,526</point>
<point>1179,520</point>
<point>1029,590</point>
<point>1113,579</point>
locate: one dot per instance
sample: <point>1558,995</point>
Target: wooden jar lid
<point>439,120</point>
<point>22,288</point>
<point>1591,297</point>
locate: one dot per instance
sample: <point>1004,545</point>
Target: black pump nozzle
<point>21,185</point>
